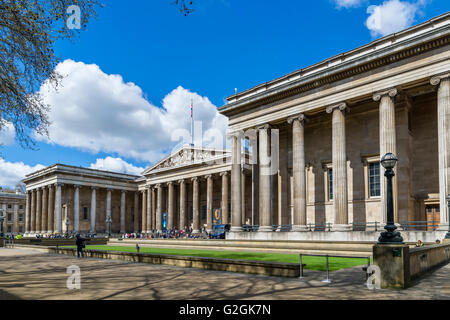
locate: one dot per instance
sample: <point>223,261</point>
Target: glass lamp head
<point>389,160</point>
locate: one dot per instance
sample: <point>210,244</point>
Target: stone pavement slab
<point>43,276</point>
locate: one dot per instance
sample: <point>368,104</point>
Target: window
<point>330,184</point>
<point>374,179</point>
<point>20,229</point>
<point>21,207</point>
<point>85,213</point>
<point>9,229</point>
<point>9,217</point>
<point>9,206</point>
<point>20,217</point>
<point>203,213</point>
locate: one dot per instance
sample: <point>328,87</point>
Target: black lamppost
<point>390,236</point>
<point>108,222</point>
<point>447,236</point>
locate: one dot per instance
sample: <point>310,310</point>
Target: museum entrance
<point>433,217</point>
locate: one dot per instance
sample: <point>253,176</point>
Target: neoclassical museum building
<point>305,155</point>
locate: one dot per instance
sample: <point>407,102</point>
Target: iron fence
<point>419,225</point>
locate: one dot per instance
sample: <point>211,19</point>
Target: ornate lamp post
<point>108,222</point>
<point>2,218</point>
<point>447,236</point>
<point>390,236</point>
<point>67,222</point>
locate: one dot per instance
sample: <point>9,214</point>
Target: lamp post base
<point>390,237</point>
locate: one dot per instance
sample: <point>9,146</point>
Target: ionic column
<point>225,210</point>
<point>76,208</point>
<point>144,212</point>
<point>16,218</point>
<point>148,227</point>
<point>93,208</point>
<point>195,206</point>
<point>443,106</point>
<point>153,191</point>
<point>209,202</point>
<point>38,210</point>
<point>298,171</point>
<point>388,143</point>
<point>236,184</point>
<point>58,208</point>
<point>51,210</point>
<point>33,212</point>
<point>265,183</point>
<point>136,212</point>
<point>243,198</point>
<point>159,207</point>
<point>183,222</point>
<point>340,197</point>
<point>44,221</point>
<point>171,206</point>
<point>122,210</point>
<point>28,213</point>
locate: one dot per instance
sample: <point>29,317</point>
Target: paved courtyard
<point>26,274</point>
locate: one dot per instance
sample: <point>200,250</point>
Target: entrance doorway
<point>433,217</point>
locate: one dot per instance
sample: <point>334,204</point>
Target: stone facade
<point>13,205</point>
<point>316,137</point>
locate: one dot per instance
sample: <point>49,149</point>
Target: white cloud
<point>12,173</point>
<point>392,16</point>
<point>116,165</point>
<point>7,134</point>
<point>97,112</point>
<point>348,3</point>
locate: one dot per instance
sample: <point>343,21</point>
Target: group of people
<point>172,233</point>
<point>421,244</point>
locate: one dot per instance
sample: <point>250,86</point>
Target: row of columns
<point>339,158</point>
<point>155,193</point>
<point>44,209</point>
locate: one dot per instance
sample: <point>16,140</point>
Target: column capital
<point>59,184</point>
<point>169,183</point>
<point>235,134</point>
<point>392,92</point>
<point>341,106</point>
<point>157,186</point>
<point>76,186</point>
<point>300,117</point>
<point>208,176</point>
<point>436,80</point>
<point>265,126</point>
<point>194,179</point>
<point>123,191</point>
<point>181,181</point>
<point>94,188</point>
<point>224,173</point>
<point>109,189</point>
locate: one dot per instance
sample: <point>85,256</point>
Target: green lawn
<point>312,263</point>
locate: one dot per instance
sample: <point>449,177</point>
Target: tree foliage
<point>28,31</point>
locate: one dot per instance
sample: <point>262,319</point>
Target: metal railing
<point>250,228</point>
<point>419,225</point>
<point>327,280</point>
<point>364,226</point>
<point>320,226</point>
<point>282,227</point>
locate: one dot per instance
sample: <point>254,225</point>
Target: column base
<point>193,231</point>
<point>300,228</point>
<point>265,229</point>
<point>341,227</point>
<point>235,229</point>
<point>443,227</point>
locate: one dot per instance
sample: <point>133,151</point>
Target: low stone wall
<point>399,264</point>
<point>352,236</point>
<point>243,266</point>
<point>427,258</point>
<point>59,242</point>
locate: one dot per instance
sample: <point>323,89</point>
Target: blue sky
<point>170,58</point>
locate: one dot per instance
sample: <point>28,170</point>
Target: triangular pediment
<point>185,156</point>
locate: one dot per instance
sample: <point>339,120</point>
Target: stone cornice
<point>396,47</point>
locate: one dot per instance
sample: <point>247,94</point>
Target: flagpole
<point>192,123</point>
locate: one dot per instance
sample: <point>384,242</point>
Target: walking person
<point>80,246</point>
